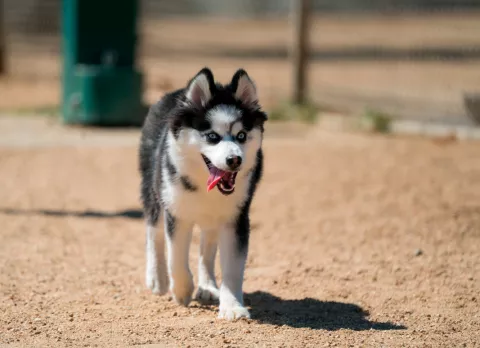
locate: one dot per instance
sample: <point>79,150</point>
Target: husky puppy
<point>200,161</point>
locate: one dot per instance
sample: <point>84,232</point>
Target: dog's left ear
<point>246,92</point>
<point>244,89</point>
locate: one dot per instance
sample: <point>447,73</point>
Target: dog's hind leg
<point>179,236</point>
<point>156,276</point>
<point>207,286</point>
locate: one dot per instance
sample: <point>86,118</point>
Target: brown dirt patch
<point>358,241</point>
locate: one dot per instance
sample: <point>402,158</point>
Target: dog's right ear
<point>200,88</point>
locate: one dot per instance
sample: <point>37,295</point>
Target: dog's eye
<point>241,137</point>
<point>213,137</point>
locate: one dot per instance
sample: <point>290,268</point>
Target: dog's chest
<point>207,209</point>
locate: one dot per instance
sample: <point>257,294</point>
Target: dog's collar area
<point>223,180</point>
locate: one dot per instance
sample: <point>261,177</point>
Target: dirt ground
<point>358,241</point>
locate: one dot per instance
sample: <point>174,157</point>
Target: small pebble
<point>418,252</point>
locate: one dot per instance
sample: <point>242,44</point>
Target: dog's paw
<point>158,283</point>
<point>233,313</point>
<point>182,290</point>
<point>207,294</point>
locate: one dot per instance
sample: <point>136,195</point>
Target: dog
<point>204,134</point>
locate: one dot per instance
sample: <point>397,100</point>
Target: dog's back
<point>152,143</point>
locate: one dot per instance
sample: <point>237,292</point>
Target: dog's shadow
<point>311,313</point>
<point>130,214</point>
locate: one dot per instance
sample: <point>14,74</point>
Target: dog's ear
<point>244,89</point>
<point>200,88</point>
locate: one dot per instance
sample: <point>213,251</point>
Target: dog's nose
<point>234,162</point>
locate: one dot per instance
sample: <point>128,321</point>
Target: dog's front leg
<point>179,234</point>
<point>233,254</point>
<point>207,286</point>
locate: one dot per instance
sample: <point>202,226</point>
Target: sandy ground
<point>408,65</point>
<point>357,241</point>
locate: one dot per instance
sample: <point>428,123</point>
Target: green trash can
<point>101,85</point>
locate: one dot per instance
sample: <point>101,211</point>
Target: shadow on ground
<point>131,214</point>
<point>312,313</point>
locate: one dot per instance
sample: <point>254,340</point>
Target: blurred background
<point>413,59</point>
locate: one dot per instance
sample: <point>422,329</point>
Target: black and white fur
<point>175,149</point>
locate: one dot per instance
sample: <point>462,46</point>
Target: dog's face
<point>223,125</point>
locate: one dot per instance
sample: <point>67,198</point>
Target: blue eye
<point>213,137</point>
<point>241,137</point>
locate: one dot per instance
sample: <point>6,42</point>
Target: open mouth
<point>223,180</point>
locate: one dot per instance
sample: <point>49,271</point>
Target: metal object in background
<point>300,17</point>
<point>472,105</point>
<point>101,85</point>
<point>3,53</point>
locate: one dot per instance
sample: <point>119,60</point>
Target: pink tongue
<point>215,176</point>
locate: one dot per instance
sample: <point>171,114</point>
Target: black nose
<point>234,162</point>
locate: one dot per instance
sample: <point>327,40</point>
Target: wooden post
<point>300,17</point>
<point>3,53</point>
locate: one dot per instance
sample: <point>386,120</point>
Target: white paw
<point>182,290</point>
<point>232,313</point>
<point>156,282</point>
<point>207,294</point>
